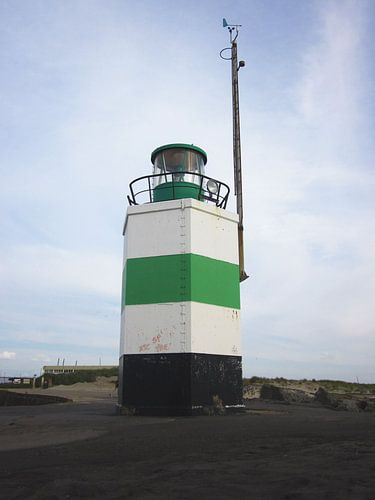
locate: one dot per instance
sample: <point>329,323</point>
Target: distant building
<point>75,368</point>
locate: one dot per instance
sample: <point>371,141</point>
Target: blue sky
<point>90,88</point>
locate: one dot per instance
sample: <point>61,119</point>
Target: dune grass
<point>338,386</point>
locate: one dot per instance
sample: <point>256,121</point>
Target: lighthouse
<point>180,347</point>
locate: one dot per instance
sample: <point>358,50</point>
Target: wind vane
<point>233,35</point>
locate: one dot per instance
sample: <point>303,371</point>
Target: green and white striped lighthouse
<point>180,348</point>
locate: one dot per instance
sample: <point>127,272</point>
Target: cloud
<point>41,358</point>
<point>105,97</point>
<point>309,223</point>
<point>7,355</point>
<point>330,90</point>
<point>50,268</point>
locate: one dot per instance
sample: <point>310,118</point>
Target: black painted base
<point>179,384</point>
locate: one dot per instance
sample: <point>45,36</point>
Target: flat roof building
<point>75,368</point>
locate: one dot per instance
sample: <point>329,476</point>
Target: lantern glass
<point>179,165</point>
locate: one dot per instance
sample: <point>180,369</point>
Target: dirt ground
<point>103,388</point>
<point>84,450</point>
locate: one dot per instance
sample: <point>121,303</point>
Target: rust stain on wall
<point>162,347</point>
<point>144,347</point>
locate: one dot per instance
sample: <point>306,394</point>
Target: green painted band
<point>181,278</point>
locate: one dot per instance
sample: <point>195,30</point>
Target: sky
<point>89,88</point>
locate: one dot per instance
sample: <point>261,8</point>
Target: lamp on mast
<point>233,35</point>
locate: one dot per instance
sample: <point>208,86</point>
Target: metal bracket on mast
<point>233,34</point>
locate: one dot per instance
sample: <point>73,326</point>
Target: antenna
<point>233,34</point>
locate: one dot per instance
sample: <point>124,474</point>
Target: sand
<point>83,450</point>
<point>103,388</point>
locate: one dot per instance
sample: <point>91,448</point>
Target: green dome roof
<point>189,147</point>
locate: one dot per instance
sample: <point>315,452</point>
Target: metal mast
<point>233,34</point>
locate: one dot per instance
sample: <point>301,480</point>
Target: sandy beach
<point>84,450</point>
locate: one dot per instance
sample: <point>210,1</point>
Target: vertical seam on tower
<point>183,270</point>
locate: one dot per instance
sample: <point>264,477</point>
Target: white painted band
<point>180,327</point>
<point>181,226</point>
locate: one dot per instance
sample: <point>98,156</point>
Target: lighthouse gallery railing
<point>144,189</point>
